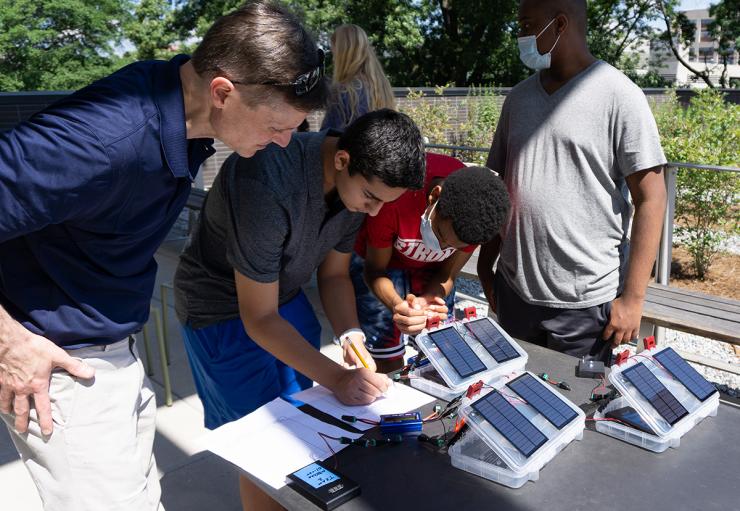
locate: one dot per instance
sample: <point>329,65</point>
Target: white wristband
<point>338,340</point>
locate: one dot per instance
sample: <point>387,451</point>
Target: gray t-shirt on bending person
<point>564,158</point>
<point>267,218</point>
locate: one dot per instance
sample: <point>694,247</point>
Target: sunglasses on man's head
<point>303,84</point>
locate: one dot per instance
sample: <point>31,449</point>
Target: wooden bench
<point>690,311</point>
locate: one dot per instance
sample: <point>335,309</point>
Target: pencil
<point>357,352</point>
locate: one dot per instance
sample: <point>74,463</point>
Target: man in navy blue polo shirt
<point>89,188</point>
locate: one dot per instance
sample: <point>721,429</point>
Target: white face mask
<point>427,234</point>
<point>530,55</point>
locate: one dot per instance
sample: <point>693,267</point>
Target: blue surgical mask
<point>427,234</point>
<point>530,55</point>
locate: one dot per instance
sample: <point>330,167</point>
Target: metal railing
<point>665,251</point>
<point>457,148</point>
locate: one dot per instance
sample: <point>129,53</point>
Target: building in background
<point>702,54</point>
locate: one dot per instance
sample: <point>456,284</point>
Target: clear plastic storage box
<point>454,382</point>
<point>666,434</point>
<point>522,466</point>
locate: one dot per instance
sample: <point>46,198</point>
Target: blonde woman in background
<point>360,86</point>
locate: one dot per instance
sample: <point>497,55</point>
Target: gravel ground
<point>690,343</point>
<point>470,287</point>
<point>731,244</point>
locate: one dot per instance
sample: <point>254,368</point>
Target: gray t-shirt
<point>564,158</point>
<point>267,218</point>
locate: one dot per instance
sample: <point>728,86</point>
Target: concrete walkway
<point>192,479</point>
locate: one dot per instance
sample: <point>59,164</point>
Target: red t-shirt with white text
<point>398,224</point>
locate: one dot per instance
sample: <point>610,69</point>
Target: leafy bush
<point>432,115</point>
<point>706,132</point>
<point>484,109</point>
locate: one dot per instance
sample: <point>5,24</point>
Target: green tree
<point>726,30</point>
<point>151,30</point>
<point>467,42</point>
<point>193,17</point>
<point>58,44</point>
<point>616,25</point>
<point>419,42</point>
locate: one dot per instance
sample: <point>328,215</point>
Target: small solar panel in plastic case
<point>543,400</point>
<point>462,358</point>
<point>496,344</point>
<point>655,392</point>
<point>510,422</point>
<point>683,372</point>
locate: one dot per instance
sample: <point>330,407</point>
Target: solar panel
<point>687,375</point>
<point>510,422</point>
<point>543,400</point>
<point>651,389</point>
<point>461,356</point>
<point>496,344</point>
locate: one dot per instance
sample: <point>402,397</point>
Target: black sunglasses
<point>303,84</point>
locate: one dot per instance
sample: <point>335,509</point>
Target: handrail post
<point>665,250</point>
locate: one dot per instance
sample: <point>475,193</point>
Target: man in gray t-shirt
<point>574,141</point>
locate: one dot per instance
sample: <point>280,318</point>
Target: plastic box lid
<point>696,408</point>
<point>557,439</point>
<point>493,371</point>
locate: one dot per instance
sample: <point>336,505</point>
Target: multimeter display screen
<point>315,475</point>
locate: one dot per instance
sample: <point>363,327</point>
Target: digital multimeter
<point>323,486</point>
<point>400,422</point>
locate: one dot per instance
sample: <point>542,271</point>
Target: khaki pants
<point>99,456</point>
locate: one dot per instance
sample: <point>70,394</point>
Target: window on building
<point>705,35</point>
<point>707,55</point>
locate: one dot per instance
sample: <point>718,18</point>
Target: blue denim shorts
<point>234,376</point>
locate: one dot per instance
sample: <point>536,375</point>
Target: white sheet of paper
<point>399,398</point>
<point>274,441</point>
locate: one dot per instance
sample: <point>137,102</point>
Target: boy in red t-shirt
<point>407,257</point>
